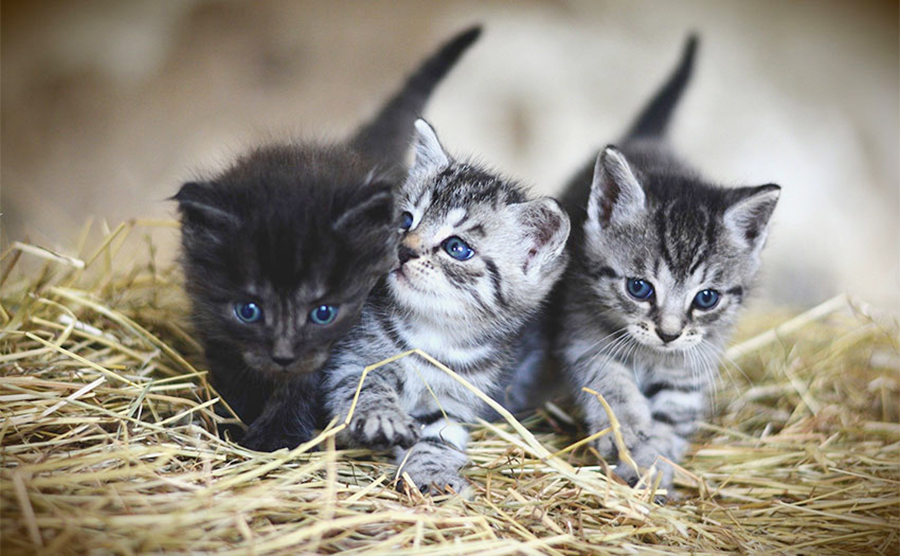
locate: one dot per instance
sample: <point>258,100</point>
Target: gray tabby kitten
<point>476,260</point>
<point>662,260</point>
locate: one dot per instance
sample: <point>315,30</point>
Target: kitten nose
<point>283,361</point>
<point>404,253</point>
<point>666,338</point>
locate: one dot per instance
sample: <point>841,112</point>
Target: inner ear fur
<point>747,218</point>
<point>430,155</point>
<point>616,194</point>
<point>545,228</point>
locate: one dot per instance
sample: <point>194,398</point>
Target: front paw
<point>646,453</point>
<point>606,446</point>
<point>380,428</point>
<point>434,470</point>
<point>260,440</point>
<point>261,437</point>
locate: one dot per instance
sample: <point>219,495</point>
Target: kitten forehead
<point>303,292</point>
<point>686,236</point>
<point>465,185</point>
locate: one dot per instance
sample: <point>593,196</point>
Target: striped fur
<point>643,214</point>
<point>471,315</point>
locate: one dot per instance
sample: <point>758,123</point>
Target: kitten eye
<point>323,314</point>
<point>706,299</point>
<point>406,220</point>
<point>457,248</point>
<point>247,312</point>
<point>639,289</point>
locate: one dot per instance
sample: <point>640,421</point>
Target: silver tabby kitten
<point>476,260</point>
<point>662,261</point>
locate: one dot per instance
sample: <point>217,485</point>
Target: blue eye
<point>457,248</point>
<point>323,314</point>
<point>247,312</point>
<point>706,299</point>
<point>639,289</point>
<point>406,221</point>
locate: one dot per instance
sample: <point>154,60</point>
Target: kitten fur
<point>469,314</point>
<point>639,212</point>
<point>290,228</point>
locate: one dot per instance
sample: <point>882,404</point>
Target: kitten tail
<point>387,136</point>
<point>654,119</point>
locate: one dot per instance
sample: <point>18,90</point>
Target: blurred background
<point>107,106</point>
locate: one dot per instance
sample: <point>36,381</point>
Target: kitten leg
<point>434,462</point>
<point>378,421</point>
<point>288,418</point>
<point>675,413</point>
<point>616,383</point>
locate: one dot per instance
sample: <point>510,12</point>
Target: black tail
<point>654,119</point>
<point>387,136</point>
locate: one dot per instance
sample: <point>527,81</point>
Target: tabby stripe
<point>655,388</point>
<point>604,272</point>
<point>439,442</point>
<point>663,246</point>
<point>388,327</point>
<point>496,281</point>
<point>430,418</point>
<point>698,260</point>
<point>477,229</point>
<point>662,418</point>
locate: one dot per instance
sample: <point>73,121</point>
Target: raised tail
<point>387,136</point>
<point>654,119</point>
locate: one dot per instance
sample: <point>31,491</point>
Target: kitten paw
<point>434,471</point>
<point>646,457</point>
<point>271,432</point>
<point>383,428</point>
<point>259,439</point>
<point>606,446</point>
<point>643,451</point>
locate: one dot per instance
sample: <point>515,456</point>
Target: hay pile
<point>109,444</point>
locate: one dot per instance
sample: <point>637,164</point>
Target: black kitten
<point>281,250</point>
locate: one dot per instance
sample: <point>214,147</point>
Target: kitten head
<point>474,250</point>
<point>281,250</point>
<point>668,257</point>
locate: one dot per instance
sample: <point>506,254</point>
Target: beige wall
<point>108,105</point>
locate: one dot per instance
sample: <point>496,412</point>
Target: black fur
<point>388,135</point>
<point>289,228</point>
<point>654,118</point>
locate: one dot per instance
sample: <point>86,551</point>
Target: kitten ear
<point>616,194</point>
<point>370,213</point>
<point>201,204</point>
<point>546,228</point>
<point>429,154</point>
<point>747,219</point>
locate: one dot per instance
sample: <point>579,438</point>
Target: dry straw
<point>109,442</point>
